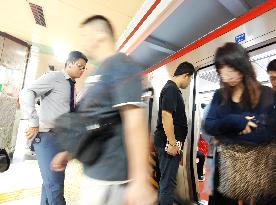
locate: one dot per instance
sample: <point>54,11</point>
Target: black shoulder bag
<point>83,133</point>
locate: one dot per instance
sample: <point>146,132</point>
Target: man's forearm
<point>137,143</point>
<point>168,126</point>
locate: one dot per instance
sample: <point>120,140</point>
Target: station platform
<point>21,184</point>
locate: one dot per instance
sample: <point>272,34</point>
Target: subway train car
<point>260,43</point>
<point>159,35</point>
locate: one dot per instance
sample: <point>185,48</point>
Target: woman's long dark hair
<point>235,56</point>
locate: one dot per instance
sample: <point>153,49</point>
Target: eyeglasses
<point>272,78</point>
<point>81,67</point>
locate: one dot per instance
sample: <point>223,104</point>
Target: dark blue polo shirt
<point>116,83</point>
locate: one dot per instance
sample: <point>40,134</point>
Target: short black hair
<point>271,66</point>
<point>74,56</point>
<point>183,68</point>
<point>108,26</point>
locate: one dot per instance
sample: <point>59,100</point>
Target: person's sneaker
<point>201,178</point>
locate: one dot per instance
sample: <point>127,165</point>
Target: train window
<point>260,60</point>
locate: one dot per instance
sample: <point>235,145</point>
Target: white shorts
<point>97,192</point>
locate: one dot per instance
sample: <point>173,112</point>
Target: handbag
<point>4,160</point>
<point>247,171</point>
<point>83,134</point>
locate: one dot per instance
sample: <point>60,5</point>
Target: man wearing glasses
<point>56,89</point>
<point>271,70</point>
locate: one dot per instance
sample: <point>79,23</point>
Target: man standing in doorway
<point>56,89</point>
<point>121,173</point>
<point>271,70</point>
<point>171,130</point>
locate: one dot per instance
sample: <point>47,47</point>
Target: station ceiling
<point>62,19</point>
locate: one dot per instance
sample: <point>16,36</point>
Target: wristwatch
<point>171,144</point>
<point>178,144</point>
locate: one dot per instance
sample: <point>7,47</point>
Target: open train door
<point>184,193</point>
